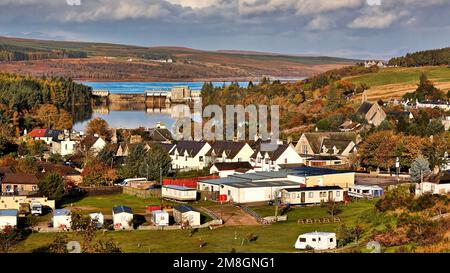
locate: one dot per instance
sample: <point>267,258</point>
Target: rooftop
<point>61,212</point>
<point>261,184</point>
<point>314,171</point>
<point>184,208</point>
<point>121,209</point>
<point>324,188</point>
<point>9,212</point>
<point>180,188</point>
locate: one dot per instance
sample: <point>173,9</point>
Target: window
<point>338,193</point>
<point>8,188</point>
<point>302,240</point>
<point>266,161</point>
<point>311,194</point>
<point>285,161</point>
<point>323,194</point>
<point>229,192</point>
<point>200,158</point>
<point>34,188</point>
<point>305,149</point>
<point>314,239</point>
<point>259,159</point>
<point>331,240</point>
<point>293,196</point>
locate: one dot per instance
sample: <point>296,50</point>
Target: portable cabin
<point>316,240</point>
<point>186,215</point>
<point>160,218</point>
<point>98,218</point>
<point>179,193</point>
<point>122,217</point>
<point>62,219</point>
<point>8,218</point>
<point>365,191</point>
<point>312,195</point>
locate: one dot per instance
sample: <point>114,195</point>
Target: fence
<point>105,190</point>
<point>143,194</point>
<point>187,182</point>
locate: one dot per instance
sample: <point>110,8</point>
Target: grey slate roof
<point>324,188</point>
<point>364,108</point>
<point>231,148</point>
<point>120,209</point>
<point>9,212</point>
<point>183,208</point>
<point>192,147</point>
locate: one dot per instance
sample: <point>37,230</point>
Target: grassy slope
<point>395,82</point>
<point>279,237</point>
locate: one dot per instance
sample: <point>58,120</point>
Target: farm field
<point>395,82</point>
<point>278,237</point>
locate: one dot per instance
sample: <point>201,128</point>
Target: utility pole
<point>397,165</point>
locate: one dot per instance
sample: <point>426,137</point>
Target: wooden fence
<point>143,194</point>
<point>105,190</point>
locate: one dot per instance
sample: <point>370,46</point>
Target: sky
<point>363,29</point>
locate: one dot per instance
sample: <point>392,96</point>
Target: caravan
<point>316,240</point>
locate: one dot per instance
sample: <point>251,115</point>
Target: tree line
<point>423,58</point>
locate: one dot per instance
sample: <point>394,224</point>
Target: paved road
<point>377,181</point>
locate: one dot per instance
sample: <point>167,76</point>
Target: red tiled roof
<point>37,133</point>
<point>22,178</point>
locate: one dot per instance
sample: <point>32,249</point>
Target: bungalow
<point>434,184</point>
<point>317,143</point>
<point>372,112</point>
<point>62,219</point>
<point>229,151</point>
<point>312,195</point>
<point>122,218</point>
<point>365,191</point>
<point>264,160</point>
<point>46,135</point>
<point>8,218</point>
<point>190,155</point>
<point>19,184</point>
<point>179,193</point>
<point>316,240</point>
<point>224,169</point>
<point>186,216</point>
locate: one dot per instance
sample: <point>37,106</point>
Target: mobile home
<point>8,218</point>
<point>186,215</point>
<point>62,219</point>
<point>179,193</point>
<point>312,195</point>
<point>98,218</point>
<point>363,191</point>
<point>160,218</point>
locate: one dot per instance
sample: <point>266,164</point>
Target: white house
<point>98,218</point>
<point>312,195</point>
<point>160,218</point>
<point>229,151</point>
<point>122,217</point>
<point>46,135</point>
<point>186,215</point>
<point>365,191</point>
<point>444,105</point>
<point>179,193</point>
<point>224,169</point>
<point>8,218</point>
<point>62,219</point>
<point>190,155</point>
<point>64,146</point>
<point>434,184</point>
<point>316,240</point>
<point>265,159</point>
<point>92,143</point>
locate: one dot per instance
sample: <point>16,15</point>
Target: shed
<point>179,193</point>
<point>186,215</point>
<point>122,217</point>
<point>62,219</point>
<point>98,217</point>
<point>316,240</point>
<point>8,218</point>
<point>160,218</point>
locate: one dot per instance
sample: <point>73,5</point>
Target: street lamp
<point>397,165</point>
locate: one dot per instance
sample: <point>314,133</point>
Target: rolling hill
<point>102,61</point>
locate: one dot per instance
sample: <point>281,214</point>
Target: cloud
<point>377,19</point>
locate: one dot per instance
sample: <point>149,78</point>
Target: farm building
<point>62,219</point>
<point>122,217</point>
<point>312,195</point>
<point>365,191</point>
<point>179,193</point>
<point>160,218</point>
<point>8,218</point>
<point>316,240</point>
<point>98,217</point>
<point>186,215</point>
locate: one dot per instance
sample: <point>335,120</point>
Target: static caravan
<point>186,215</point>
<point>363,191</point>
<point>316,240</point>
<point>62,219</point>
<point>8,218</point>
<point>160,218</point>
<point>312,195</point>
<point>98,218</point>
<point>122,217</point>
<point>179,193</point>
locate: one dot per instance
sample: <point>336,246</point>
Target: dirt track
<point>233,216</point>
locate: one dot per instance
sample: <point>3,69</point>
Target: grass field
<point>278,237</point>
<point>395,82</point>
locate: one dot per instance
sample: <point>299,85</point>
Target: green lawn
<point>278,237</point>
<point>403,75</point>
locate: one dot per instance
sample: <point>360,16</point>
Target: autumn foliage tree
<point>49,116</point>
<point>100,127</point>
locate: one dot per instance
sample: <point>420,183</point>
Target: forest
<point>9,53</point>
<point>423,58</point>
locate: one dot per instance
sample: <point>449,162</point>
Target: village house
<point>372,113</point>
<point>93,144</point>
<point>370,63</point>
<point>65,146</point>
<point>46,135</point>
<point>8,218</point>
<point>265,160</point>
<point>224,169</point>
<point>229,151</point>
<point>160,133</point>
<point>19,184</point>
<point>444,105</point>
<point>186,216</point>
<point>398,114</point>
<point>349,126</point>
<point>190,155</point>
<point>312,195</point>
<point>68,173</point>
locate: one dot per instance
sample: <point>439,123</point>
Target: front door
<point>330,195</point>
<point>303,197</point>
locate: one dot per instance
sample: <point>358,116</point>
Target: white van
<point>128,180</point>
<point>316,240</point>
<point>36,208</point>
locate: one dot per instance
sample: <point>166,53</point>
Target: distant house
<point>434,184</point>
<point>370,63</point>
<point>446,122</point>
<point>186,215</point>
<point>349,126</point>
<point>62,219</point>
<point>122,217</point>
<point>229,151</point>
<point>398,114</point>
<point>46,135</point>
<point>160,133</point>
<point>67,172</point>
<point>8,218</point>
<point>312,195</point>
<point>372,112</point>
<point>190,155</point>
<point>92,143</point>
<point>64,147</point>
<point>340,144</point>
<point>224,169</point>
<point>265,160</point>
<point>19,184</point>
<point>444,105</point>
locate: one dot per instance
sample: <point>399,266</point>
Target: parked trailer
<point>316,240</point>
